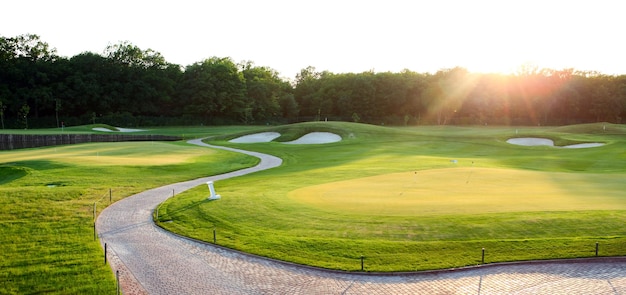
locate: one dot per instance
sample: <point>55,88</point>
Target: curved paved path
<point>153,261</point>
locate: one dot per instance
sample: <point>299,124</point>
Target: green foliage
<point>128,86</point>
<point>258,214</point>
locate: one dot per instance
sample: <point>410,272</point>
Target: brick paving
<point>151,260</point>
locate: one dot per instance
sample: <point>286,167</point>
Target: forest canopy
<point>128,86</point>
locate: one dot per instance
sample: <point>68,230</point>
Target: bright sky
<point>340,35</point>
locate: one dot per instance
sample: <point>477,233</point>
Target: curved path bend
<point>150,260</point>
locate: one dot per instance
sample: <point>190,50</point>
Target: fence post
<point>362,262</point>
<point>483,256</point>
<point>596,249</point>
<point>94,221</point>
<point>105,253</point>
<point>214,237</point>
<point>117,278</point>
<point>110,196</point>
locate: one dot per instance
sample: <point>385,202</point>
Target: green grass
<point>472,189</point>
<point>536,202</point>
<point>47,197</point>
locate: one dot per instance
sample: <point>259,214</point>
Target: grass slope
<point>539,202</point>
<point>47,197</point>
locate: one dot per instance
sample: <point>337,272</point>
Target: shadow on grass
<point>8,173</point>
<point>169,214</point>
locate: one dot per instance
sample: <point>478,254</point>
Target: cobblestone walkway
<point>150,260</point>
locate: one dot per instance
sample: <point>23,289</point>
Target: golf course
<point>396,199</point>
<point>417,198</point>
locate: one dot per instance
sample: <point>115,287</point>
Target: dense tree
<point>264,90</point>
<point>127,85</point>
<point>27,46</point>
<point>214,90</point>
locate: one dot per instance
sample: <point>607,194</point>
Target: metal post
<point>110,196</point>
<point>596,249</point>
<point>483,258</point>
<point>105,253</point>
<point>117,278</point>
<point>94,221</point>
<point>362,262</point>
<point>214,237</point>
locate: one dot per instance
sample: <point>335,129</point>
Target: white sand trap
<point>118,129</point>
<point>532,141</point>
<point>316,138</point>
<point>257,137</point>
<point>584,145</point>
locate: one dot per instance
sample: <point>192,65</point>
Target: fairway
<point>122,153</point>
<point>427,197</point>
<point>466,191</point>
<point>48,197</point>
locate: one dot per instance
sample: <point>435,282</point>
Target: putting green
<point>466,190</point>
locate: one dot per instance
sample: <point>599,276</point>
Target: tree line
<point>128,86</point>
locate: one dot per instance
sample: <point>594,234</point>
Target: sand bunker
<point>310,138</point>
<point>584,145</point>
<point>532,141</point>
<point>118,129</point>
<point>316,138</point>
<point>255,138</point>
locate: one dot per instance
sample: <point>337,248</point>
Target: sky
<point>487,36</point>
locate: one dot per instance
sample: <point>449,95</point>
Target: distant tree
<point>214,88</point>
<point>23,116</point>
<point>288,106</point>
<point>446,92</point>
<point>263,90</point>
<point>28,46</point>
<point>306,87</point>
<point>356,118</point>
<point>2,108</point>
<point>128,54</point>
<point>605,106</point>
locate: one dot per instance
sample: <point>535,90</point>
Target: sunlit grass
<point>396,196</point>
<point>47,197</point>
<point>466,190</point>
<point>122,153</point>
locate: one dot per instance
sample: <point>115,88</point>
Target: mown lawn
<point>419,198</point>
<point>47,197</point>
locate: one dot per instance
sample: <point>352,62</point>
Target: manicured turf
<point>47,197</point>
<point>468,190</point>
<point>396,197</point>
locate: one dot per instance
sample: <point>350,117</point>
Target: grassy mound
<point>10,173</point>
